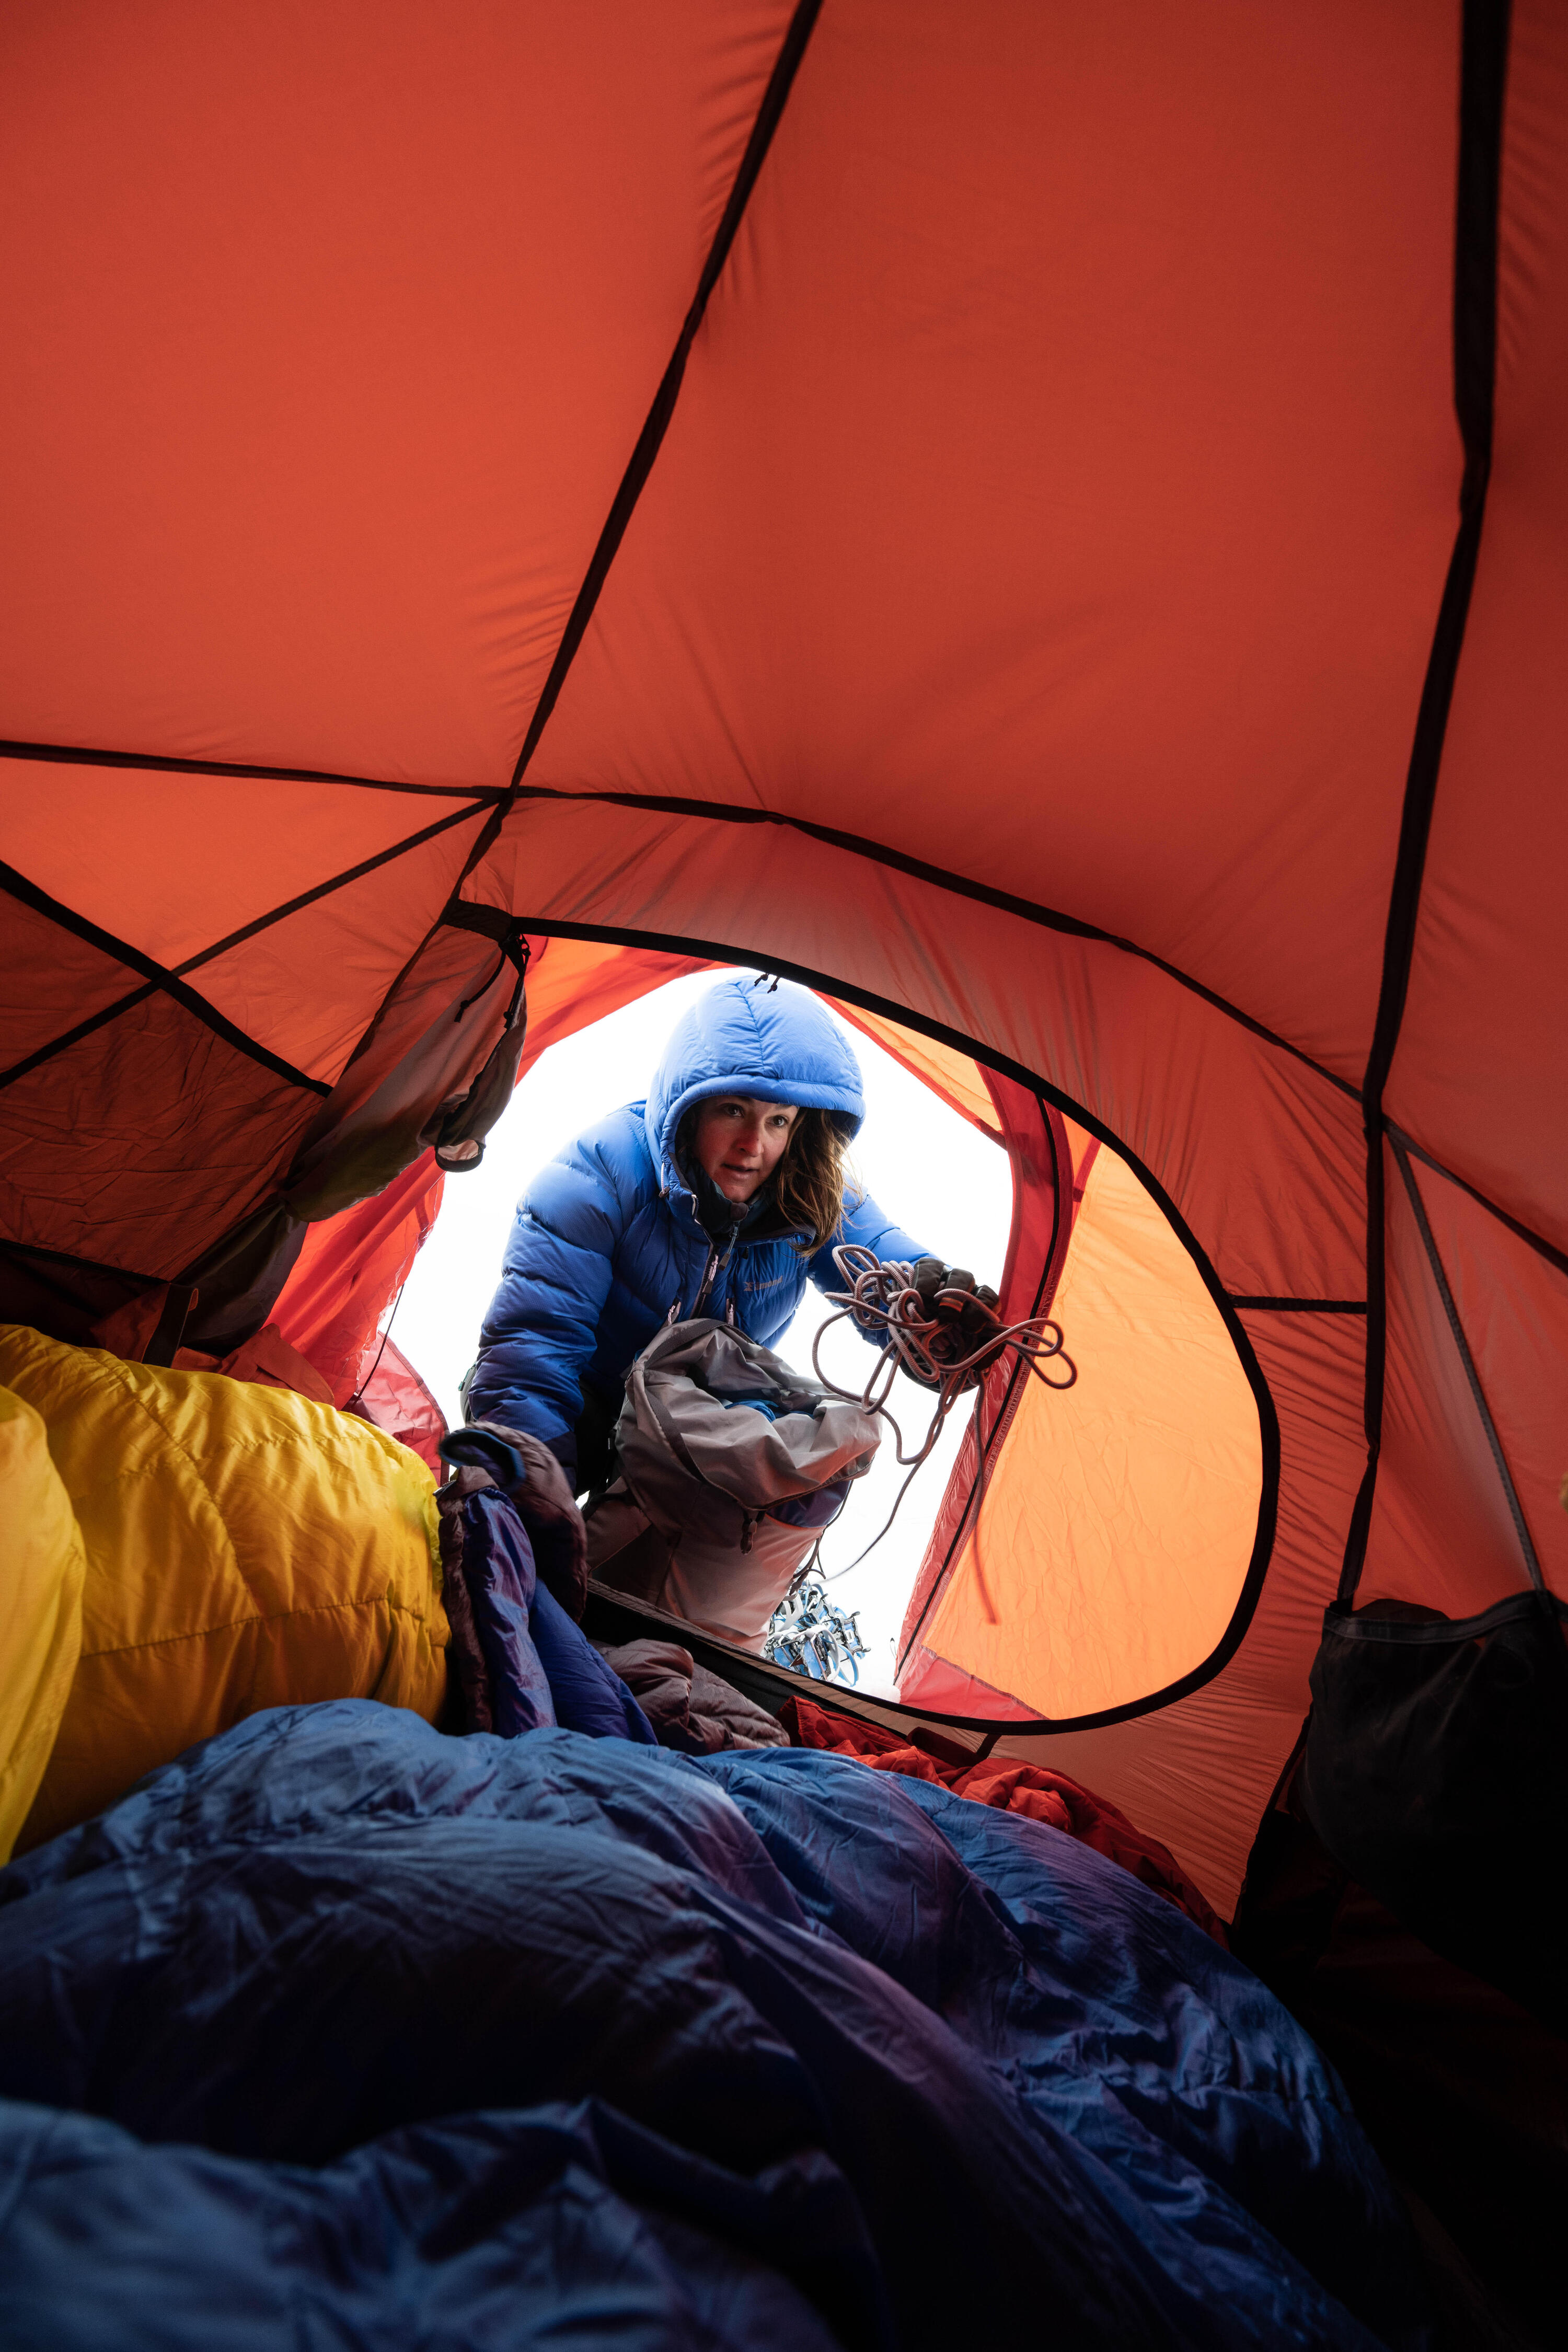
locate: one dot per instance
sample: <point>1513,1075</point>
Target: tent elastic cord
<point>385,1336</point>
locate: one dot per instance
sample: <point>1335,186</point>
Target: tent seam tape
<point>325,890</point>
<point>10,1247</point>
<point>1478,187</point>
<point>163,982</point>
<point>84,1028</point>
<point>1531,1240</point>
<point>1429,1243</point>
<point>254,770</point>
<point>940,877</point>
<point>650,439</point>
<point>1260,1306</point>
<point>170,978</point>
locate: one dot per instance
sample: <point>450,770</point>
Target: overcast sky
<point>934,1174</point>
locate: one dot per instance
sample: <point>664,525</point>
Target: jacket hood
<point>752,1036</point>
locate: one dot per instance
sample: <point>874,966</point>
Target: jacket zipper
<point>709,1271</point>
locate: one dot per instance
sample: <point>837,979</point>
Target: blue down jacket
<point>608,1236</point>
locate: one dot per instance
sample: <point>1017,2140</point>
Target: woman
<point>720,1195</point>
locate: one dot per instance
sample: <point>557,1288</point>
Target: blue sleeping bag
<point>339,2031</point>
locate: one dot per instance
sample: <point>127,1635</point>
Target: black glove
<point>965,1325</point>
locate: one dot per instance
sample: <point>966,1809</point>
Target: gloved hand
<point>966,1324</point>
<point>525,1468</point>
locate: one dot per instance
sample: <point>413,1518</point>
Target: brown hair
<point>809,1181</point>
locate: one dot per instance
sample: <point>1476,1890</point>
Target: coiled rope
<point>882,1297</point>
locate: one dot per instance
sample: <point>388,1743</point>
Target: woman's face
<point>739,1141</point>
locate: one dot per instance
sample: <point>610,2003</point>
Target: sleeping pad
<point>339,2031</point>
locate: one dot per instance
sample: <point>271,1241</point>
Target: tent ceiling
<point>340,325</point>
<point>1063,482</point>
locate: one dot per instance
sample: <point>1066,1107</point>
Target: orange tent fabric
<point>1110,1547</point>
<point>348,1273</point>
<point>1046,523</point>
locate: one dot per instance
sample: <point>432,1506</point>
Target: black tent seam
<point>1542,1248</point>
<point>656,423</point>
<point>1439,1273</point>
<point>190,1002</point>
<point>170,978</point>
<point>255,772</point>
<point>325,890</point>
<point>62,1044</point>
<point>11,1246</point>
<point>941,877</point>
<point>1269,1444</point>
<point>1300,1306</point>
<point>1482,79</point>
<point>14,1255</point>
<point>632,483</point>
<point>168,982</point>
<point>639,466</point>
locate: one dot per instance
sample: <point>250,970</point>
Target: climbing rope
<point>881,1297</point>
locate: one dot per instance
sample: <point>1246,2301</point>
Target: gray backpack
<point>731,1463</point>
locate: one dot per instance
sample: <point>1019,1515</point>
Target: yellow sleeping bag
<point>236,1547</point>
<point>41,1566</point>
